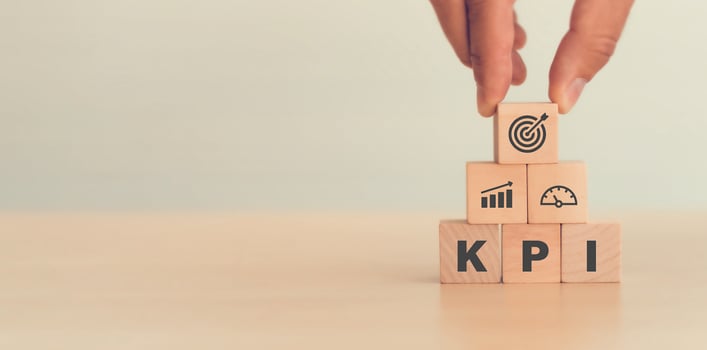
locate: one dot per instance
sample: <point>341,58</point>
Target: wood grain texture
<point>607,264</point>
<point>451,232</point>
<point>526,115</point>
<point>545,270</point>
<point>481,176</point>
<point>553,190</point>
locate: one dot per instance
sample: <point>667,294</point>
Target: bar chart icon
<point>498,197</point>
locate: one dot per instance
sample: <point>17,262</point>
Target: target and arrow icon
<point>527,133</point>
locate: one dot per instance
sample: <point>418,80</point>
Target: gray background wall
<point>318,104</point>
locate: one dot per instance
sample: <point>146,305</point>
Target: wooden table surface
<point>325,280</point>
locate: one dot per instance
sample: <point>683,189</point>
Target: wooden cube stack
<point>527,212</point>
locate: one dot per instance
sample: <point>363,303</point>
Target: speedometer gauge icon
<point>558,196</point>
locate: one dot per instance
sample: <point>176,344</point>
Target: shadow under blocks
<point>527,212</point>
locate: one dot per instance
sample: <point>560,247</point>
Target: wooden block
<point>591,252</point>
<point>531,253</point>
<point>469,253</point>
<point>525,133</point>
<point>496,193</point>
<point>557,193</point>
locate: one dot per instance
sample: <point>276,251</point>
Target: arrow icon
<point>537,123</point>
<point>509,184</point>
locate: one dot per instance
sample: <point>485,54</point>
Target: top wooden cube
<point>526,133</point>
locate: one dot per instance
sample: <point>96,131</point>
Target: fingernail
<point>481,102</point>
<point>574,89</point>
<point>485,107</point>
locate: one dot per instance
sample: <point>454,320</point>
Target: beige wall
<point>157,104</point>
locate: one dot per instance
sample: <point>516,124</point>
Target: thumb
<point>595,28</point>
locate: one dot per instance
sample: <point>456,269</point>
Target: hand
<point>486,37</point>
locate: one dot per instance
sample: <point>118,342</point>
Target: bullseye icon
<point>527,133</point>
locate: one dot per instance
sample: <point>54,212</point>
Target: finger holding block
<point>496,193</point>
<point>526,133</point>
<point>557,193</point>
<point>591,252</point>
<point>531,253</point>
<point>469,253</point>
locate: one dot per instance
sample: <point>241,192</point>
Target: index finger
<point>491,36</point>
